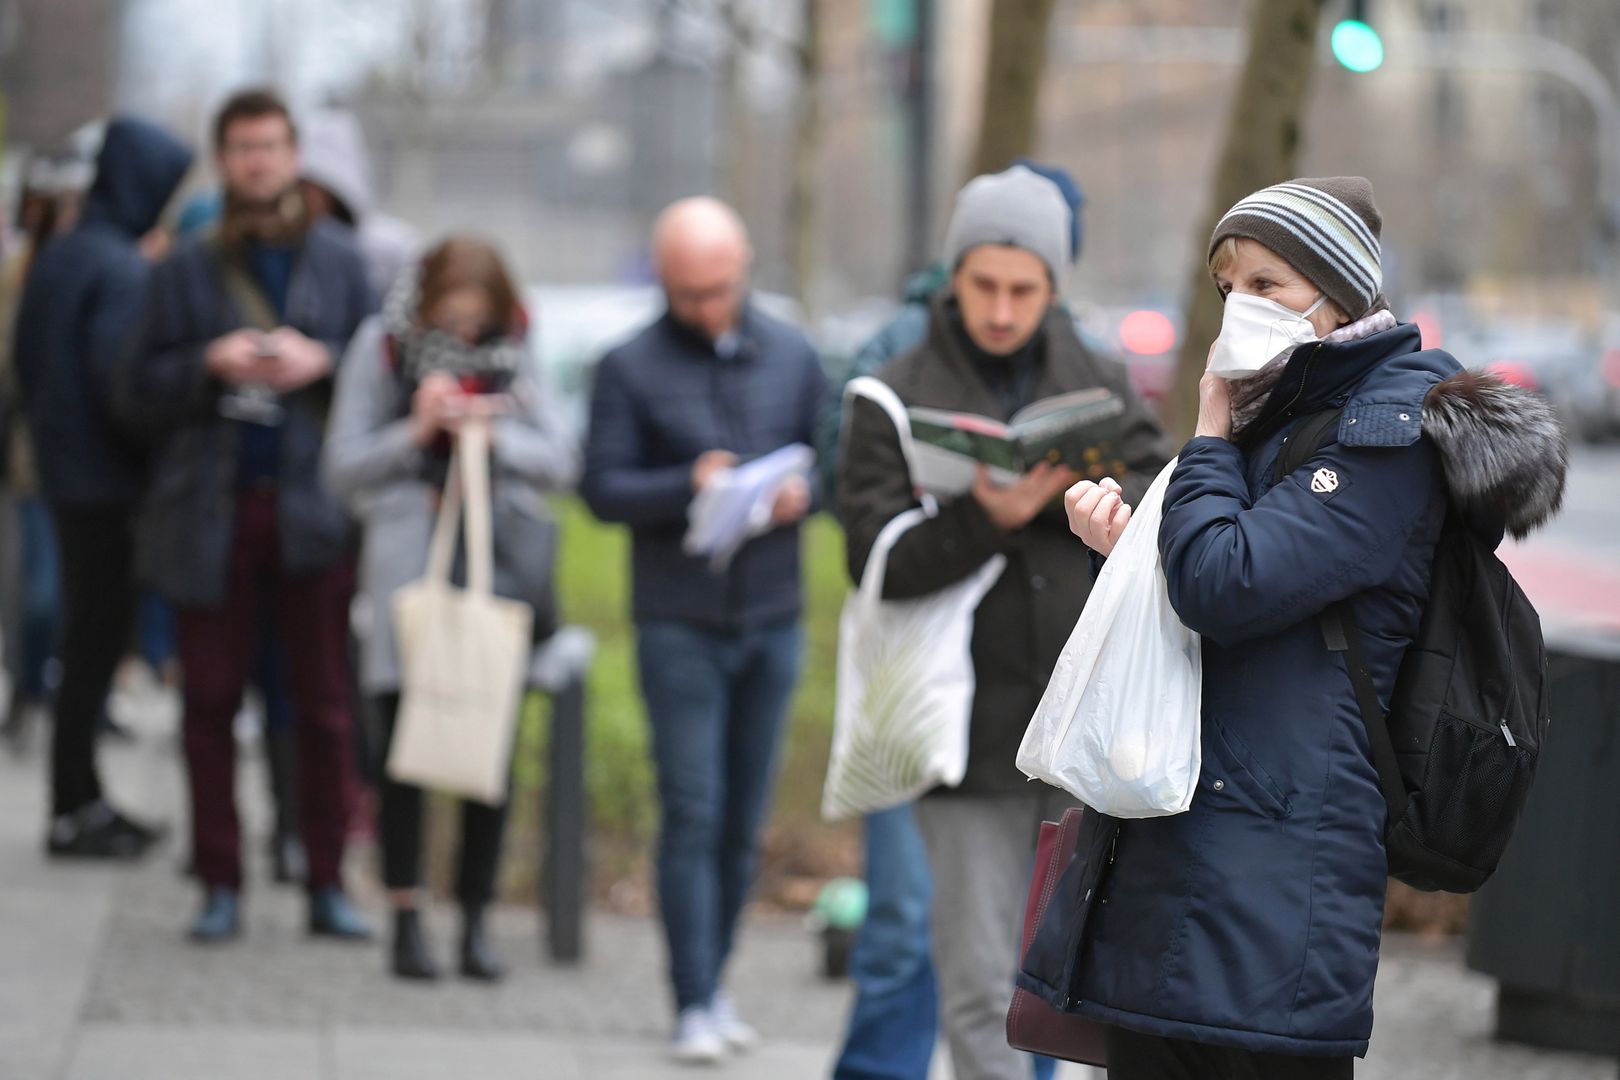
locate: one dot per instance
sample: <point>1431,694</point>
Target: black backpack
<point>1457,750</point>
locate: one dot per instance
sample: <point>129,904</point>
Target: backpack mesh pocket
<point>1475,785</point>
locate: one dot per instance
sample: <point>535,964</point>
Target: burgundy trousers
<point>217,646</point>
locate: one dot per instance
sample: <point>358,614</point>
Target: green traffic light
<point>1357,46</point>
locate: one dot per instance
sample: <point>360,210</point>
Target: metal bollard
<point>563,861</point>
<point>561,669</point>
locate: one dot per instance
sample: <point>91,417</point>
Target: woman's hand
<point>1214,408</point>
<point>434,406</point>
<point>1097,514</point>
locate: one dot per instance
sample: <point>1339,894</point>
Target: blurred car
<point>1147,338</point>
<point>1595,399</point>
<point>1556,358</point>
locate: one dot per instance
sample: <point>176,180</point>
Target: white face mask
<point>1255,331</point>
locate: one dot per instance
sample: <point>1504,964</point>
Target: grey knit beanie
<point>1327,228</point>
<point>1018,208</point>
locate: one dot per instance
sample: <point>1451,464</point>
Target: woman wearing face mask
<point>448,346</point>
<point>1240,939</point>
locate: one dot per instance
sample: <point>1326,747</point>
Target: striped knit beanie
<point>1326,228</point>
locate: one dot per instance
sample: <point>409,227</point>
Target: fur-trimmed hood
<point>1503,448</point>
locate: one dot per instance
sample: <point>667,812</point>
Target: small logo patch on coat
<point>1325,482</point>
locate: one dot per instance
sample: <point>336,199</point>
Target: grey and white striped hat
<point>1327,228</point>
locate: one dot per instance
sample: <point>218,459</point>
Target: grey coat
<point>373,466</point>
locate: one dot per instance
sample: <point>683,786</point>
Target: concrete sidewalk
<point>96,982</point>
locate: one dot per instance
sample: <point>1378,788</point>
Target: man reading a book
<point>997,343</point>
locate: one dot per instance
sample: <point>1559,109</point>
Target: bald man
<point>712,382</point>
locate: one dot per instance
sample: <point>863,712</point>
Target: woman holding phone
<point>449,345</point>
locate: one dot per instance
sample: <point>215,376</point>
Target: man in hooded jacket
<point>81,303</point>
<point>336,181</point>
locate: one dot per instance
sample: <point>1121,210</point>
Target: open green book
<point>1078,429</point>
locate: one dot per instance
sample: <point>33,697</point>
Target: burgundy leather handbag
<point>1032,1024</point>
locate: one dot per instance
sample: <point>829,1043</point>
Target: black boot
<point>412,958</point>
<point>289,864</point>
<point>477,960</point>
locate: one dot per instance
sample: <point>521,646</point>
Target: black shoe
<point>220,919</point>
<point>477,960</point>
<point>289,865</point>
<point>412,959</point>
<point>332,915</point>
<point>97,831</point>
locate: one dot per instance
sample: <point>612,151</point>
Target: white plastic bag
<point>1118,726</point>
<point>905,671</point>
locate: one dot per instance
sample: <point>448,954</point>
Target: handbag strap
<point>473,444</point>
<point>883,396</point>
<point>877,560</point>
<point>468,481</point>
<point>244,290</point>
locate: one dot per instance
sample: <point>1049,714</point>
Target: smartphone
<point>265,348</point>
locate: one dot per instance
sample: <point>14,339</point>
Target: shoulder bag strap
<point>244,291</point>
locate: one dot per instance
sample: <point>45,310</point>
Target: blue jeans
<point>716,703</point>
<point>41,586</point>
<point>154,626</point>
<point>895,1021</point>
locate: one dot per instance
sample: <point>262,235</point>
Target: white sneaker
<point>697,1040</point>
<point>737,1034</point>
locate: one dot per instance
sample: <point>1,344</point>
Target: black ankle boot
<point>477,960</point>
<point>412,958</point>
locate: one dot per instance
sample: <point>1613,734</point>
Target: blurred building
<point>58,64</point>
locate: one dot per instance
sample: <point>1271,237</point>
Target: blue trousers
<point>41,587</point>
<point>895,1020</point>
<point>716,703</point>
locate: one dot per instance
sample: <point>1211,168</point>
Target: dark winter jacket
<point>184,534</point>
<point>1253,919</point>
<point>663,399</point>
<point>81,305</point>
<point>1022,623</point>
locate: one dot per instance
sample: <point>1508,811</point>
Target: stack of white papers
<point>736,505</point>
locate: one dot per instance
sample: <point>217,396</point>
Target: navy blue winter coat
<point>1253,919</point>
<point>660,401</point>
<point>81,304</point>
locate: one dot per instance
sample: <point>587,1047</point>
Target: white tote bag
<point>905,670</point>
<point>463,652</point>
<point>1118,727</point>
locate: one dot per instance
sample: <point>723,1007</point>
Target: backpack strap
<point>1308,436</point>
<point>1341,634</point>
<point>1340,631</point>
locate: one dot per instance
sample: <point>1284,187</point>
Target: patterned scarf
<point>419,350</point>
<point>1249,395</point>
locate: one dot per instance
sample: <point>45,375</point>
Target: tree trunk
<point>1263,137</point>
<point>1012,82</point>
<point>806,152</point>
